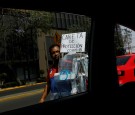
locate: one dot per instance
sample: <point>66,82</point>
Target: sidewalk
<point>22,86</point>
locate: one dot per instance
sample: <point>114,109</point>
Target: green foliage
<point>41,19</point>
<point>40,79</point>
<point>10,84</point>
<point>19,30</point>
<point>19,21</point>
<point>3,76</point>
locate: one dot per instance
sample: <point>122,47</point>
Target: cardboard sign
<point>73,42</point>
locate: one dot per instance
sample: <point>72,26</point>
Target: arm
<point>46,91</point>
<point>44,95</point>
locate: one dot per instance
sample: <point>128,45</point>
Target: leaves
<point>122,39</point>
<point>19,21</point>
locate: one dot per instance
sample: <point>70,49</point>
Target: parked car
<point>126,68</point>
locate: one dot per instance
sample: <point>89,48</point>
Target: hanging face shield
<point>72,74</point>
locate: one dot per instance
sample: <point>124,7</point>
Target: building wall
<point>42,52</point>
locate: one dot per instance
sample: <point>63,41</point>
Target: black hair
<point>52,46</point>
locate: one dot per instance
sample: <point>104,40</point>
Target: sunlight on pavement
<point>20,95</point>
<point>5,89</point>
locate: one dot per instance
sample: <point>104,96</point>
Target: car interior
<point>103,80</point>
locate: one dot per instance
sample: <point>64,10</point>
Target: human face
<point>55,53</point>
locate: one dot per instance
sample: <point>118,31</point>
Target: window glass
<point>122,60</point>
<point>124,41</point>
<point>27,63</point>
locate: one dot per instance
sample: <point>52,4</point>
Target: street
<point>20,97</point>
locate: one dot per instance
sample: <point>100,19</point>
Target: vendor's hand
<point>41,101</point>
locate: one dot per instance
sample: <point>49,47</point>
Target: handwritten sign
<point>73,42</point>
